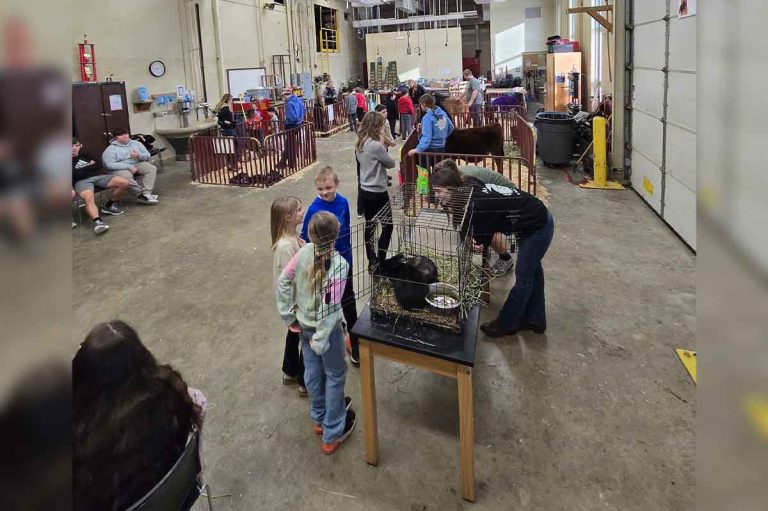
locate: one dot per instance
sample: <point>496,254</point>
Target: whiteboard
<point>242,79</point>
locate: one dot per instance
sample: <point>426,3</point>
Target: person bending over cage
<point>509,212</point>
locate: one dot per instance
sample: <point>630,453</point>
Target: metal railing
<point>520,170</point>
<point>513,168</point>
<point>329,119</point>
<point>245,161</point>
<point>490,114</point>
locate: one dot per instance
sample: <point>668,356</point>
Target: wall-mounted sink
<point>178,136</point>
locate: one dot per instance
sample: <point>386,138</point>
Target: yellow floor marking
<point>688,358</point>
<point>609,185</point>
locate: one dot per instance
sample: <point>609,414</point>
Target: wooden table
<point>445,353</point>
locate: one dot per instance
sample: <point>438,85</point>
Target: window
<point>572,21</point>
<point>326,29</point>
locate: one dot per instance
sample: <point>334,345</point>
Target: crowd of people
<point>133,416</point>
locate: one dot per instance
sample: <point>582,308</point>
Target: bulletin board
<point>241,79</point>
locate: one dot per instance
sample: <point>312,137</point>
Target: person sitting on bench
<point>88,177</point>
<point>130,159</point>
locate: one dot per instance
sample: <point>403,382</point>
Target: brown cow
<point>453,106</point>
<point>483,140</point>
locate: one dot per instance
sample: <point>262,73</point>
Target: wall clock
<point>157,68</point>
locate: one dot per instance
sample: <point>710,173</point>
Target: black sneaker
<point>352,351</point>
<point>349,426</point>
<point>112,209</point>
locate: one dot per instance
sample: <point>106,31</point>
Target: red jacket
<point>405,105</point>
<point>361,103</point>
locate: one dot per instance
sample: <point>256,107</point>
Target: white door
<point>664,113</point>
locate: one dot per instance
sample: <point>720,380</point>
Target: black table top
<point>456,347</point>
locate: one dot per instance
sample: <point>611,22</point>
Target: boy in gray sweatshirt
<point>130,159</point>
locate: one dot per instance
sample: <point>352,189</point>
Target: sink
<point>178,136</point>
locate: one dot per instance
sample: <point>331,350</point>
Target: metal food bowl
<point>444,297</point>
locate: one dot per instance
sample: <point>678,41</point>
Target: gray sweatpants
<point>142,181</point>
<point>406,125</point>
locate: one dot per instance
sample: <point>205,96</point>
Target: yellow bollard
<point>598,138</point>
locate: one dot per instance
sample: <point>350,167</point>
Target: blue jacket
<point>294,111</point>
<point>340,209</point>
<point>436,127</point>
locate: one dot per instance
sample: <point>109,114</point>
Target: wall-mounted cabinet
<point>97,110</point>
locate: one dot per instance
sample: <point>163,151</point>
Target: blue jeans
<point>324,377</point>
<point>525,304</point>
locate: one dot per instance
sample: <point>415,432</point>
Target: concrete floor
<point>596,414</point>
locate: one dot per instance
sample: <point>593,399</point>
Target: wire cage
<point>428,275</point>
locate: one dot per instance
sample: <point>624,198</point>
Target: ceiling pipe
<point>415,19</point>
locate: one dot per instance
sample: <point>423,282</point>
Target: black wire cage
<point>415,259</point>
<point>429,275</point>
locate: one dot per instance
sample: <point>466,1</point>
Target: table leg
<point>486,291</point>
<point>466,432</point>
<point>368,393</point>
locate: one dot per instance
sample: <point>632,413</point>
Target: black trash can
<point>555,137</point>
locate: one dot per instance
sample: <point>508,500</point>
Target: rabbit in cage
<point>410,276</point>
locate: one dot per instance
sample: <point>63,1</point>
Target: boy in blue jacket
<point>436,127</point>
<point>294,116</point>
<point>327,182</point>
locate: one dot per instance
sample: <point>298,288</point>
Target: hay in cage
<point>384,304</point>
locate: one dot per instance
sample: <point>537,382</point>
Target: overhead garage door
<point>664,113</point>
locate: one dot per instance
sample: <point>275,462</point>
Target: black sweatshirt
<point>505,210</point>
<point>82,168</point>
<point>392,113</point>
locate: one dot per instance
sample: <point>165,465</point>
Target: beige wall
<point>129,36</point>
<point>348,64</point>
<point>127,52</point>
<point>468,45</point>
<point>437,61</point>
<point>512,34</point>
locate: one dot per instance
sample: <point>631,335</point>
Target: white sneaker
<point>147,199</point>
<point>99,227</point>
<point>501,267</point>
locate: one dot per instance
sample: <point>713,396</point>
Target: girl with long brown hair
<point>319,275</point>
<point>286,215</point>
<point>131,418</point>
<point>373,162</point>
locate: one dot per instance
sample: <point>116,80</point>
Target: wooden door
<point>88,119</point>
<point>115,106</point>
